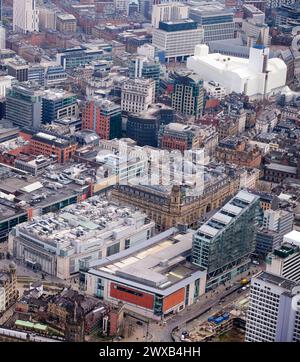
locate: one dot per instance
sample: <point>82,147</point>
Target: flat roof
<point>159,263</point>
<point>283,168</point>
<point>292,237</point>
<point>277,280</point>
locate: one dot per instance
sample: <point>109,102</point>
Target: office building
<point>55,76</point>
<point>59,104</point>
<point>215,19</point>
<point>143,127</point>
<point>288,14</point>
<point>24,106</point>
<point>252,12</point>
<point>255,31</point>
<point>177,39</point>
<point>153,278</point>
<point>143,67</point>
<point>103,117</point>
<point>6,82</point>
<point>224,243</point>
<point>47,18</point>
<point>75,57</point>
<point>274,225</point>
<point>59,244</point>
<point>18,69</point>
<point>285,259</point>
<point>36,74</point>
<point>25,16</point>
<point>170,11</point>
<point>188,94</point>
<point>66,23</point>
<point>137,95</point>
<point>257,76</point>
<point>59,148</point>
<point>178,136</point>
<point>272,315</point>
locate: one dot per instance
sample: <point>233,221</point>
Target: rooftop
<point>277,280</point>
<point>227,214</point>
<point>93,222</point>
<point>20,191</point>
<point>157,263</point>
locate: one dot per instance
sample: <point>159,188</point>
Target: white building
<point>148,50</point>
<point>215,90</point>
<point>272,314</point>
<point>256,76</point>
<point>2,299</point>
<point>121,5</point>
<point>5,84</point>
<point>58,244</point>
<point>168,12</point>
<point>25,16</point>
<point>285,260</point>
<point>2,37</point>
<point>177,38</point>
<point>137,95</point>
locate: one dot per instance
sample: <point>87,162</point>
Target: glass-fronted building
<point>225,242</point>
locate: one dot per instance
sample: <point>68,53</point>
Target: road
<point>161,331</point>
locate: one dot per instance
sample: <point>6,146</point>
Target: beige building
<point>170,207</point>
<point>8,286</point>
<point>66,23</point>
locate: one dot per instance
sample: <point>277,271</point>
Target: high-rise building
<point>188,94</point>
<point>224,243</point>
<point>144,126</point>
<point>24,106</point>
<point>288,15</point>
<point>273,314</point>
<point>275,224</point>
<point>143,67</point>
<point>177,38</point>
<point>285,259</point>
<point>103,117</point>
<point>217,20</point>
<point>47,18</point>
<point>59,104</point>
<point>137,95</point>
<point>25,16</point>
<point>168,12</point>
